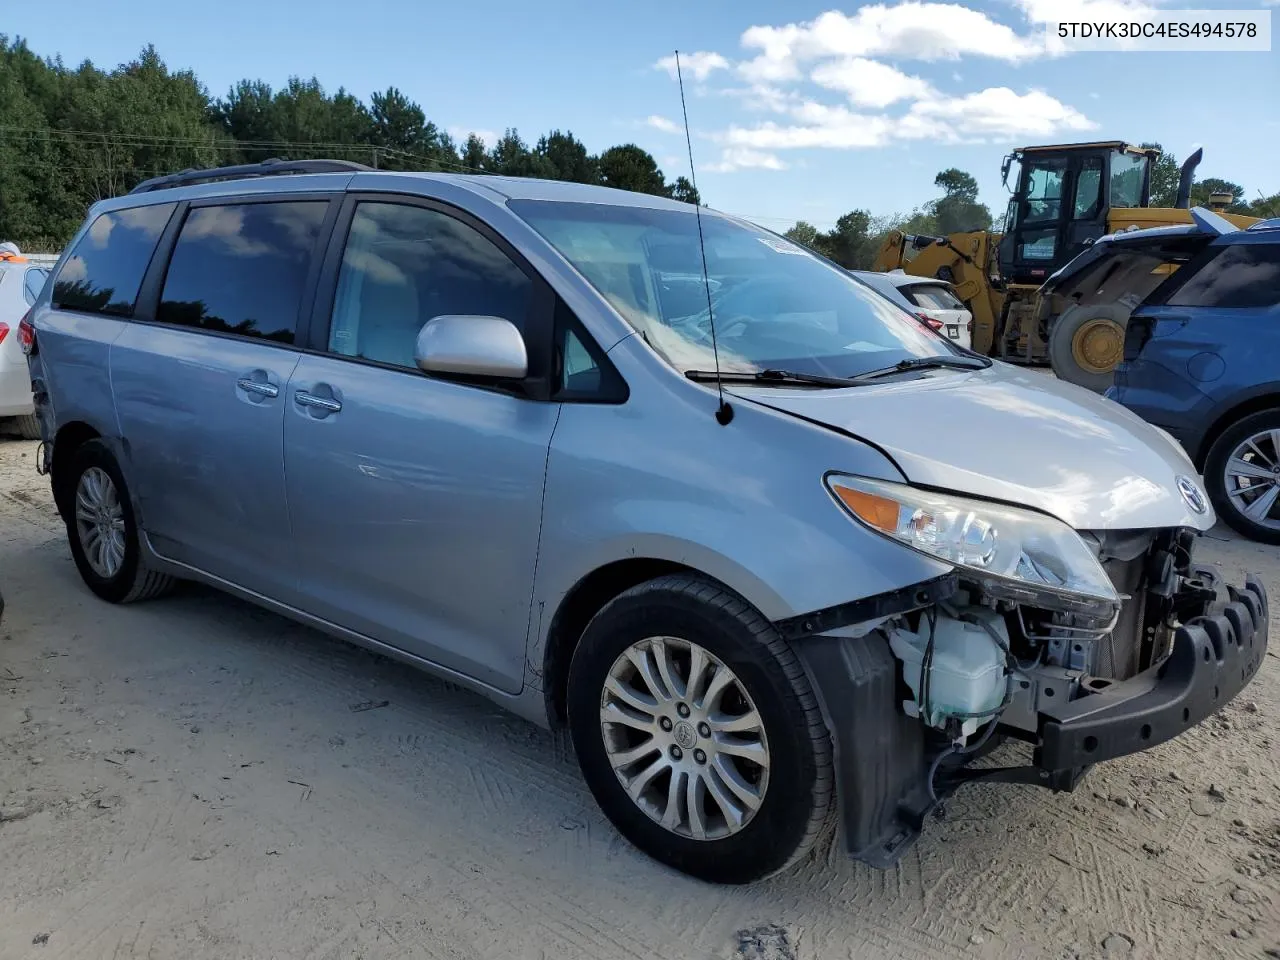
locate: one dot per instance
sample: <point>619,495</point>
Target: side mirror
<point>472,346</point>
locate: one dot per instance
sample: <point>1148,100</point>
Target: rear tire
<point>28,426</point>
<point>102,530</point>
<point>708,811</point>
<point>1251,445</point>
<point>1081,346</point>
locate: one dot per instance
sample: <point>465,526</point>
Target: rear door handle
<point>260,387</point>
<point>327,404</point>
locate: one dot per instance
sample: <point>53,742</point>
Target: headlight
<point>1014,554</point>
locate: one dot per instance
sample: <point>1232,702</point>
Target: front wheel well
<point>1268,401</point>
<point>587,598</point>
<point>70,437</point>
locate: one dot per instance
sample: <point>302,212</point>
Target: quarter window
<point>404,265</point>
<point>106,267</point>
<point>33,283</point>
<point>1239,275</point>
<point>242,268</point>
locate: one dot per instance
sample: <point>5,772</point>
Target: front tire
<point>1242,475</point>
<point>698,733</point>
<point>102,530</point>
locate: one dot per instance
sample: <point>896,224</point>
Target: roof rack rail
<point>267,168</point>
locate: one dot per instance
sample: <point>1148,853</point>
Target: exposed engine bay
<point>919,684</point>
<point>973,659</point>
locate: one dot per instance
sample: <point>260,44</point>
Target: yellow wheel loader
<point>1026,307</point>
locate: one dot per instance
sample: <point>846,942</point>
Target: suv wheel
<point>1242,474</point>
<point>698,733</point>
<point>102,530</point>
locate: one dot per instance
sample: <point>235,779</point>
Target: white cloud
<point>869,83</point>
<point>994,113</point>
<point>858,56</point>
<point>662,123</point>
<point>764,96</point>
<point>743,158</point>
<point>909,30</point>
<point>460,134</point>
<point>1000,112</point>
<point>1066,11</point>
<point>699,64</point>
<point>830,127</point>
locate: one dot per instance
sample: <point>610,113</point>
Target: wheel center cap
<point>685,735</point>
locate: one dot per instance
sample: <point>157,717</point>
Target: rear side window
<point>105,268</point>
<point>933,297</point>
<point>1238,275</point>
<point>33,283</point>
<point>241,268</point>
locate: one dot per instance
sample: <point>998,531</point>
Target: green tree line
<point>858,235</point>
<point>72,135</point>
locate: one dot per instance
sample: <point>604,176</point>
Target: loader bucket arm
<point>965,260</point>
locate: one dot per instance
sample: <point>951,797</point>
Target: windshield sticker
<point>781,246</point>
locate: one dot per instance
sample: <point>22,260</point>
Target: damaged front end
<point>918,683</point>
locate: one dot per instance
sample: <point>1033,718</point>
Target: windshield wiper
<point>766,376</point>
<point>928,363</point>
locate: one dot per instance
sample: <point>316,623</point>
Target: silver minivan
<point>496,428</point>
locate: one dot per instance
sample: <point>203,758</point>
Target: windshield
<point>775,305</point>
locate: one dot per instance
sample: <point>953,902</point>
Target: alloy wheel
<point>1251,478</point>
<point>100,522</point>
<point>684,738</point>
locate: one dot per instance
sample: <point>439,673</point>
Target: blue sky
<point>800,110</point>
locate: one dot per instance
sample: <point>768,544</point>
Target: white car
<point>937,305</point>
<point>21,279</point>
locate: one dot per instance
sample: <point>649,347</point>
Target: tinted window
<point>105,269</point>
<point>241,268</point>
<point>1240,275</point>
<point>33,283</point>
<point>934,297</point>
<point>404,265</point>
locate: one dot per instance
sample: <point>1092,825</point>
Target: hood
<point>1022,437</point>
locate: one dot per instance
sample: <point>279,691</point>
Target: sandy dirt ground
<point>194,778</point>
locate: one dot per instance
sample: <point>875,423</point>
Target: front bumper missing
<point>883,758</point>
<point>1213,658</point>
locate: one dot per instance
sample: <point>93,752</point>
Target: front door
<point>200,389</point>
<point>415,501</point>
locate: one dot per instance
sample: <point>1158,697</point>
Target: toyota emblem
<point>1192,496</point>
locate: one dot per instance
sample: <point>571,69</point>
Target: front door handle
<point>327,404</point>
<point>260,387</point>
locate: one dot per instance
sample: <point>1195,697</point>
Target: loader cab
<point>1061,198</point>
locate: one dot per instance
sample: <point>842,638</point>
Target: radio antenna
<point>724,412</point>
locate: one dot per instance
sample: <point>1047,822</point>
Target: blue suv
<point>1200,361</point>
